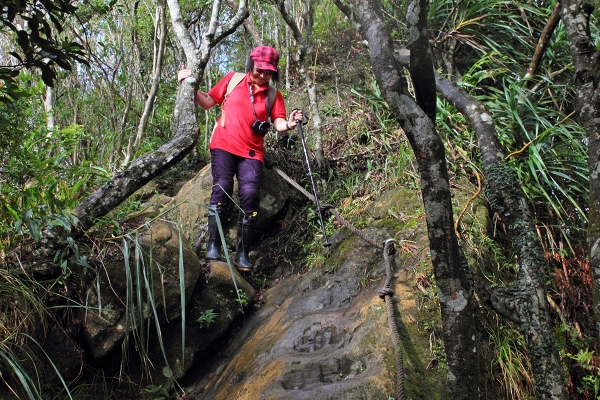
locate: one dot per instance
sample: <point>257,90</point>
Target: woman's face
<point>260,76</point>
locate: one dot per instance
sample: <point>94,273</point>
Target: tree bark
<point>453,278</point>
<point>49,109</point>
<point>543,41</point>
<point>421,62</point>
<point>575,15</point>
<point>524,302</point>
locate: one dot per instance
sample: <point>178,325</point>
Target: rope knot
<point>388,246</point>
<point>385,292</point>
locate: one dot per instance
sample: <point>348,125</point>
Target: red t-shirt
<point>236,137</point>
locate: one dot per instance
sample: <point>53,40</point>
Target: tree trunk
<point>114,155</point>
<point>543,41</point>
<point>575,15</point>
<point>249,25</point>
<point>453,279</point>
<point>49,108</point>
<point>524,302</point>
<point>421,61</point>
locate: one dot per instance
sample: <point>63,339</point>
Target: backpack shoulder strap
<point>233,82</point>
<point>272,94</point>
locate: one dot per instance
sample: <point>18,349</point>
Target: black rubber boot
<point>213,246</point>
<point>245,234</point>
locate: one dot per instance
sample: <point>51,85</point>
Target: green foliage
<point>242,298</point>
<point>207,317</point>
<point>546,146</point>
<point>316,254</point>
<point>155,392</point>
<point>10,362</point>
<point>510,363</point>
<point>41,176</point>
<point>550,155</point>
<point>35,29</point>
<point>328,21</point>
<point>23,315</point>
<point>10,90</point>
<point>315,258</point>
<point>428,305</point>
<point>580,360</point>
<point>141,300</point>
<point>111,223</point>
<point>375,157</point>
<point>488,26</point>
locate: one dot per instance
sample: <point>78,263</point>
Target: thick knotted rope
<point>385,292</point>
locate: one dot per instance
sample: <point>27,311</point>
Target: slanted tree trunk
<point>149,166</point>
<point>575,15</point>
<point>544,41</point>
<point>453,279</point>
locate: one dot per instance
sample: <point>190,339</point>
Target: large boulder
<point>218,301</point>
<point>324,335</point>
<point>215,296</point>
<point>153,264</point>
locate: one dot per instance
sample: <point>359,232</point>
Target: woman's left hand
<point>295,116</point>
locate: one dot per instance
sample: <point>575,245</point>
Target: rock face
<point>119,303</point>
<point>324,335</point>
<point>152,268</point>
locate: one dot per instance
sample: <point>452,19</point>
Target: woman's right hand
<point>183,74</point>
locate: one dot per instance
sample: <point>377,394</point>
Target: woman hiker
<point>237,144</point>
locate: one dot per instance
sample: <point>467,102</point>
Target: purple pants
<point>224,166</point>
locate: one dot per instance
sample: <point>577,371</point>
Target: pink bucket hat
<point>265,57</point>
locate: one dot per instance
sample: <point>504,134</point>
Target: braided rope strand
<point>388,295</point>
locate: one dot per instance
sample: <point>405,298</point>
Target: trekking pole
<point>312,181</point>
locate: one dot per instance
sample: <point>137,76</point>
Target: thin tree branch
<point>543,41</point>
